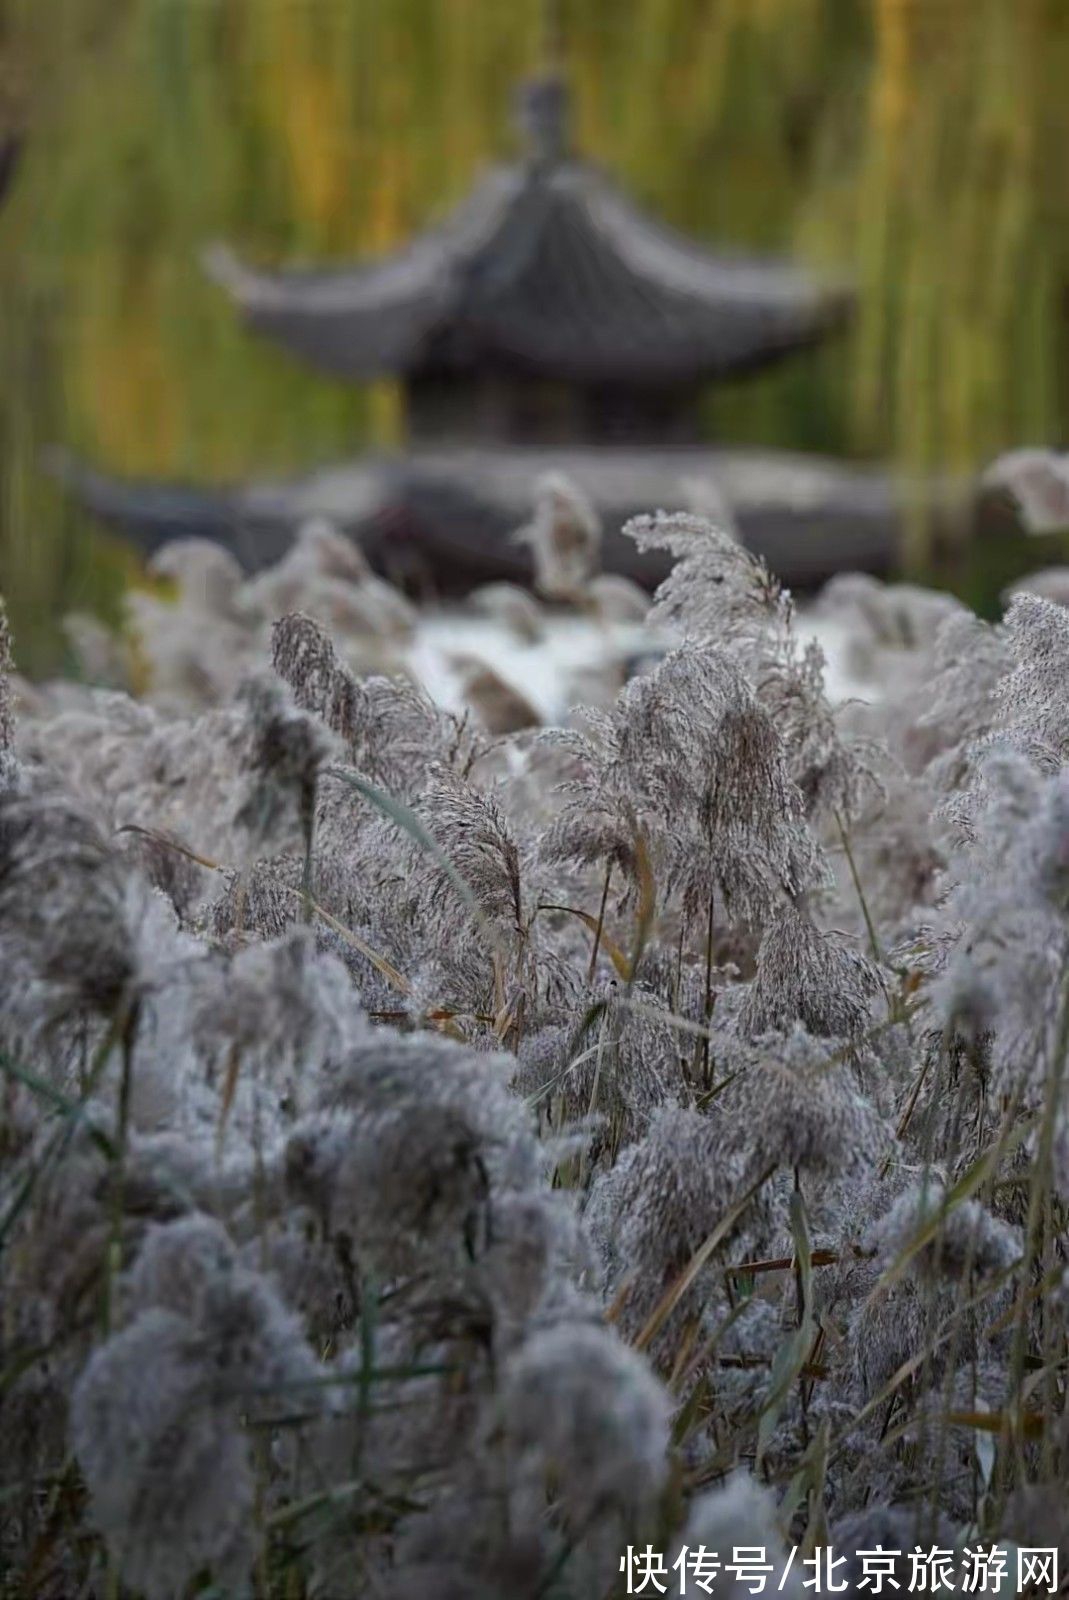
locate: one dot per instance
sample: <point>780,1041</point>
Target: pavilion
<point>548,323</point>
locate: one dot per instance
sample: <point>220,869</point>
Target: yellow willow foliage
<point>308,102</point>
<point>915,143</point>
<point>962,246</point>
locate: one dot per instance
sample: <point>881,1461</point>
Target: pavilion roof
<point>453,512</point>
<point>546,268</point>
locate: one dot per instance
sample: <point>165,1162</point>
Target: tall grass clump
<point>433,1161</point>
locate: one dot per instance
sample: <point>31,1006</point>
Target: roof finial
<point>542,111</point>
<point>543,118</point>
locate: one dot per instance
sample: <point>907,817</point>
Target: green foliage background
<point>920,144</point>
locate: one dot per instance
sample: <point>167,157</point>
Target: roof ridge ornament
<point>543,114</point>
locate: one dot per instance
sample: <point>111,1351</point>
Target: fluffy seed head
<point>287,749</point>
<point>585,1408</point>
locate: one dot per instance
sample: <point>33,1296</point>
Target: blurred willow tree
<point>917,143</point>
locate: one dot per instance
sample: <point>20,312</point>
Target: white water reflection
<point>553,671</point>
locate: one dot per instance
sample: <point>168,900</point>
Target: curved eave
<point>149,510</point>
<point>551,272</point>
<point>255,521</point>
<point>356,324</point>
<point>601,293</point>
<point>372,319</point>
